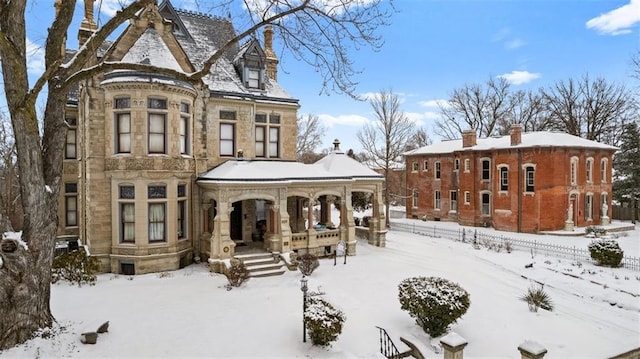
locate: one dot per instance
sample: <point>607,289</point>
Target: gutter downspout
<point>519,190</point>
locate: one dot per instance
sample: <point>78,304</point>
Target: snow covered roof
<point>529,139</point>
<point>199,35</point>
<point>335,166</point>
<point>205,34</point>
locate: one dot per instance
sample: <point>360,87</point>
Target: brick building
<point>523,182</point>
<point>159,172</point>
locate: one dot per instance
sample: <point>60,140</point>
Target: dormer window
<point>250,63</point>
<point>253,78</point>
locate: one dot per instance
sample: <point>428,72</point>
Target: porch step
<point>262,264</point>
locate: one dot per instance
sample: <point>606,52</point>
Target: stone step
<point>267,273</point>
<point>266,266</point>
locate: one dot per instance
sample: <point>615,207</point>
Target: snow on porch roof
<point>263,171</point>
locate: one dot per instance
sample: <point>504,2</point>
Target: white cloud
<point>513,44</point>
<point>519,77</point>
<point>435,103</point>
<point>419,118</point>
<point>343,120</point>
<point>618,21</point>
<point>35,58</point>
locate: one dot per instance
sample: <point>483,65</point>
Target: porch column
<point>222,247</point>
<point>347,225</point>
<point>377,224</point>
<point>285,226</point>
<point>202,223</point>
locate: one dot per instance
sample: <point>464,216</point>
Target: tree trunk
<point>25,276</point>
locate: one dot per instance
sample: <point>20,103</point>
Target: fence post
<point>453,345</point>
<point>531,350</point>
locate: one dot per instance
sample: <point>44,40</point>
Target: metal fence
<point>503,242</point>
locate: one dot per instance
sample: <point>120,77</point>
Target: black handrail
<point>387,348</point>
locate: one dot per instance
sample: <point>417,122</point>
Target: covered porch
<point>284,207</point>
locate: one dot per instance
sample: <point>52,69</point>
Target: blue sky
<point>434,46</point>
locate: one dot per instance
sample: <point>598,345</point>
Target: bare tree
<point>527,109</point>
<point>310,132</point>
<point>319,33</point>
<point>384,140</point>
<point>9,190</point>
<point>420,138</point>
<point>477,107</point>
<point>592,109</point>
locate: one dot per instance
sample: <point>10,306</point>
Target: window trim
<point>70,194</point>
<point>157,197</point>
<point>452,201</point>
<point>467,165</point>
<point>467,197</point>
<point>414,166</point>
<point>437,200</point>
<point>589,169</point>
<point>603,170</point>
<point>503,170</point>
<point>414,198</point>
<point>163,118</point>
<point>120,133</point>
<point>588,206</point>
<point>527,169</point>
<point>231,140</point>
<point>72,128</point>
<point>125,199</point>
<point>487,171</point>
<point>437,166</point>
<point>573,169</point>
<point>425,165</point>
<point>482,203</point>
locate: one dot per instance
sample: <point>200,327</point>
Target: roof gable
<point>149,39</point>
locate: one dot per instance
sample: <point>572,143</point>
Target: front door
<point>236,221</point>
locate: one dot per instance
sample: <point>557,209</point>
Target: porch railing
<point>387,347</point>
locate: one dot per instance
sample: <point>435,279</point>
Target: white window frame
<point>467,165</point>
<point>573,169</point>
<point>503,170</point>
<point>437,200</point>
<point>529,181</point>
<point>453,201</point>
<point>437,170</point>
<point>589,170</point>
<point>467,197</point>
<point>414,198</point>
<point>487,170</point>
<point>71,204</point>
<point>603,170</point>
<point>483,205</point>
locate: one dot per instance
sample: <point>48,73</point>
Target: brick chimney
<point>516,134</point>
<point>468,138</point>
<point>272,59</point>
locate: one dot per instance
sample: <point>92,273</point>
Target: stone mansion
<point>160,172</point>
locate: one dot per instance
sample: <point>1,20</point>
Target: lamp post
<point>303,288</point>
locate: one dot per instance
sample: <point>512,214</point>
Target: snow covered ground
<point>189,313</point>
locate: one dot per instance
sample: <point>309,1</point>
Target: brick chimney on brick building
<point>516,134</point>
<point>468,138</point>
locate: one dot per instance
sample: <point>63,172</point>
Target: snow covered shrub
<point>606,252</point>
<point>435,302</point>
<point>236,274</point>
<point>307,263</point>
<point>595,231</point>
<point>536,297</point>
<point>76,267</point>
<point>324,322</point>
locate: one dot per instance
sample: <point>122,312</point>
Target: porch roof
<point>330,168</point>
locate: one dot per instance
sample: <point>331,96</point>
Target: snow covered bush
<point>324,322</point>
<point>595,231</point>
<point>307,263</point>
<point>76,267</point>
<point>536,297</point>
<point>606,252</point>
<point>236,274</point>
<point>435,302</point>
